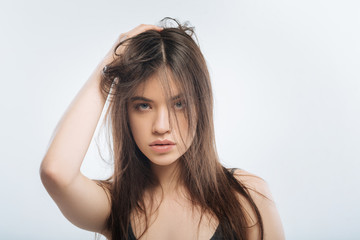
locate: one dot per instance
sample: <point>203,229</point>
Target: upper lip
<point>162,142</point>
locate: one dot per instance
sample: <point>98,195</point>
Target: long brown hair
<point>211,186</point>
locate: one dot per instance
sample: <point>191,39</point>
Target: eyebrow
<point>144,99</point>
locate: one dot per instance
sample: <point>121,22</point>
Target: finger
<point>152,27</point>
<point>137,30</point>
<point>142,28</point>
<point>149,26</point>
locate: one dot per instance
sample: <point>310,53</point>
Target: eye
<point>179,105</point>
<point>142,106</point>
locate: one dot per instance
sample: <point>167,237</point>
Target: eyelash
<point>138,107</point>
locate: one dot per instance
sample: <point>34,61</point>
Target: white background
<point>287,100</point>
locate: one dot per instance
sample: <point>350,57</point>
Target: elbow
<point>51,177</point>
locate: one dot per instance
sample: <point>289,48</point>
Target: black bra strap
<point>233,170</point>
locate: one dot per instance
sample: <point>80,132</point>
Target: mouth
<point>162,143</point>
<point>162,146</point>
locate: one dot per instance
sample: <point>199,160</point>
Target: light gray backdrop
<point>287,100</point>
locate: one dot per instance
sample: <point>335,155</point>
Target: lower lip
<point>162,148</point>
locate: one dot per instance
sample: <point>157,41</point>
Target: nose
<point>161,124</point>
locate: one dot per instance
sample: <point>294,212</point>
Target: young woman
<point>168,182</point>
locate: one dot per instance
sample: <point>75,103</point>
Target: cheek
<point>135,128</point>
<point>184,128</point>
<point>140,130</point>
<point>183,133</point>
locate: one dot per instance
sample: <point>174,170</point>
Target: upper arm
<point>261,195</point>
<point>83,202</point>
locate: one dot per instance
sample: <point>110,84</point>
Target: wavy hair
<point>173,53</point>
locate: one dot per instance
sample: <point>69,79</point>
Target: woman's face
<point>161,136</point>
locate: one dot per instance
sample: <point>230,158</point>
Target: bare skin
<point>86,205</point>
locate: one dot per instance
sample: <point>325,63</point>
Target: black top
<point>217,235</point>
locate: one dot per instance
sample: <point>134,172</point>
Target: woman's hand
<point>139,29</point>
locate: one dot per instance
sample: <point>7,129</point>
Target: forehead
<point>156,87</point>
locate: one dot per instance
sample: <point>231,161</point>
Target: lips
<point>162,142</point>
<point>162,146</point>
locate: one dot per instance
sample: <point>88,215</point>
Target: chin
<point>163,160</point>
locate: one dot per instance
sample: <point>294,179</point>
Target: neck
<point>168,177</point>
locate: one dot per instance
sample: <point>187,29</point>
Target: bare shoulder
<point>257,186</point>
<point>260,193</point>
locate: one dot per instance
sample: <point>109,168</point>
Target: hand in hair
<point>137,30</point>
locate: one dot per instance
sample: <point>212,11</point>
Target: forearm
<point>72,137</point>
